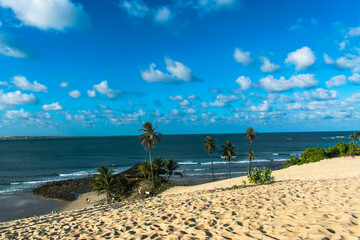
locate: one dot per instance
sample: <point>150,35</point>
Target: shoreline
<point>312,201</point>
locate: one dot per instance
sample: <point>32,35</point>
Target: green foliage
<point>312,155</point>
<point>244,182</point>
<point>170,167</point>
<point>160,167</point>
<point>235,187</point>
<point>291,161</point>
<point>145,170</point>
<point>354,149</point>
<point>104,182</point>
<point>257,176</point>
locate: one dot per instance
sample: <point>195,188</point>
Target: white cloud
<point>211,5</point>
<point>174,112</point>
<point>178,72</point>
<point>176,98</point>
<point>267,66</point>
<point>135,8</point>
<point>18,114</point>
<point>343,44</point>
<point>222,100</point>
<point>105,89</point>
<point>244,82</point>
<point>74,94</point>
<point>45,15</point>
<point>336,81</point>
<point>204,105</point>
<point>162,15</point>
<point>10,48</point>
<point>328,60</point>
<point>354,31</point>
<point>262,107</point>
<point>355,78</point>
<point>91,93</point>
<point>22,83</point>
<point>15,98</point>
<point>185,102</point>
<point>271,84</point>
<point>242,57</point>
<point>301,58</point>
<point>64,84</point>
<point>52,107</point>
<point>349,61</point>
<point>192,97</point>
<point>189,111</point>
<point>317,94</point>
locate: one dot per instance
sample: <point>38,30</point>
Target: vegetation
<point>228,151</point>
<point>257,176</point>
<point>250,135</point>
<point>318,153</point>
<point>105,182</point>
<point>149,138</point>
<point>170,167</point>
<point>210,147</point>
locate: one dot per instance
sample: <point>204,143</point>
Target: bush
<point>353,149</point>
<point>260,177</point>
<point>235,187</point>
<point>291,161</point>
<point>312,155</point>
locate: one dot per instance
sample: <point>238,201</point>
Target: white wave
<point>188,163</point>
<point>275,154</point>
<point>74,174</point>
<point>280,160</point>
<point>340,136</point>
<point>223,157</point>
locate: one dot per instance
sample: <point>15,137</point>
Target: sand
<point>314,201</point>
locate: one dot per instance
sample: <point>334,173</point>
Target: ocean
<point>27,163</point>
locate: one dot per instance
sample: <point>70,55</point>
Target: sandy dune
<point>313,204</point>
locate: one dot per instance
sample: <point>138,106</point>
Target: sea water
<point>27,163</point>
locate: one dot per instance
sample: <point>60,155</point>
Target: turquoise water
<point>30,162</point>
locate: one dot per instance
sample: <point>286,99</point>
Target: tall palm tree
<point>210,148</point>
<point>250,135</point>
<point>251,156</point>
<point>170,167</point>
<point>228,151</point>
<point>105,182</point>
<point>149,138</point>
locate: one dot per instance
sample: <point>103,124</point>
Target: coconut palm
<point>158,166</point>
<point>170,167</point>
<point>250,135</point>
<point>251,156</point>
<point>105,182</point>
<point>210,148</point>
<point>228,151</point>
<point>149,138</point>
<point>145,170</point>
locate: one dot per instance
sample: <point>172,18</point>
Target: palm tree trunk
<point>107,198</point>
<point>152,172</point>
<point>212,168</point>
<point>229,169</point>
<point>249,167</point>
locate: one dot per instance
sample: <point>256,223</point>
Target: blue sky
<point>87,67</point>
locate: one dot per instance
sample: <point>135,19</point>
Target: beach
<point>313,201</point>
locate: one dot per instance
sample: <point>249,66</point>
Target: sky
<point>95,68</point>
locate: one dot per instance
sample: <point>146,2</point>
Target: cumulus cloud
<point>354,31</point>
<point>18,114</point>
<point>242,57</point>
<point>267,66</point>
<point>91,93</point>
<point>58,14</point>
<point>327,59</point>
<point>52,107</point>
<point>262,107</point>
<point>74,94</point>
<point>135,8</point>
<point>189,111</point>
<point>64,84</point>
<point>271,84</point>
<point>317,94</point>
<point>244,82</point>
<point>185,102</point>
<point>178,72</point>
<point>162,15</point>
<point>16,98</point>
<point>336,81</point>
<point>221,100</point>
<point>104,88</point>
<point>22,83</point>
<point>301,58</point>
<point>343,45</point>
<point>10,48</point>
<point>176,98</point>
<point>349,61</point>
<point>355,78</point>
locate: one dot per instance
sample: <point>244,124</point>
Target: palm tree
<point>210,148</point>
<point>353,137</point>
<point>145,170</point>
<point>228,150</point>
<point>250,135</point>
<point>251,156</point>
<point>170,167</point>
<point>105,182</point>
<point>356,135</point>
<point>149,138</point>
<point>158,166</point>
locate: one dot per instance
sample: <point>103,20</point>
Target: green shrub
<point>332,152</point>
<point>235,187</point>
<point>353,149</point>
<point>312,155</point>
<point>291,161</point>
<point>343,148</point>
<point>260,177</point>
